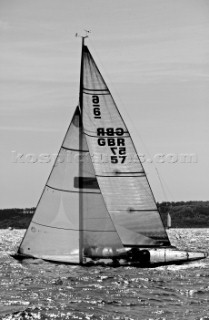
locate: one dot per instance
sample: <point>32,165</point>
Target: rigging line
<point>92,68</point>
<point>117,98</point>
<point>105,76</point>
<point>95,67</point>
<point>148,153</point>
<point>87,59</point>
<point>114,94</point>
<point>162,183</point>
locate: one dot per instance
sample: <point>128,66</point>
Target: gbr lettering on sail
<point>111,137</point>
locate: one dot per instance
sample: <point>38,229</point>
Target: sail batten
<point>110,136</point>
<point>99,94</point>
<point>119,175</point>
<point>52,227</point>
<point>97,90</point>
<point>76,150</point>
<point>72,191</point>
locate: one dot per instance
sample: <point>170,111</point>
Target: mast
<point>80,158</point>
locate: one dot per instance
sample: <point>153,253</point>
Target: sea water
<point>36,289</point>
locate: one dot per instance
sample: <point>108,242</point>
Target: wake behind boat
<point>97,204</point>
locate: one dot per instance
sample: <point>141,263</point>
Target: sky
<point>154,55</point>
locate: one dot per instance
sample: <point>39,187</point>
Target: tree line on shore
<point>189,214</point>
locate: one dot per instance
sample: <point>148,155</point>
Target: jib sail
<point>71,218</point>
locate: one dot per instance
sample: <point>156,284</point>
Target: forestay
<point>118,169</point>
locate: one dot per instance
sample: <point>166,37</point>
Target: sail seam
<point>87,230</point>
<point>44,225</point>
<point>71,191</point>
<point>135,210</point>
<point>103,137</point>
<point>74,149</point>
<point>124,172</point>
<point>95,89</point>
<point>98,94</point>
<point>116,175</point>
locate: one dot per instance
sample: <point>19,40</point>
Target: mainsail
<point>119,172</point>
<point>71,218</point>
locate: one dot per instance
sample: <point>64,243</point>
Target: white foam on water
<point>190,265</point>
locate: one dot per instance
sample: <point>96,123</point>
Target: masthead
<point>86,35</point>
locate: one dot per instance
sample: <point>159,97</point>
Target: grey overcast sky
<point>154,55</point>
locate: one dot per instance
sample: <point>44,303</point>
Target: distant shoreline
<point>190,214</point>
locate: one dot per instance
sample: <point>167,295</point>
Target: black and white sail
<point>97,200</point>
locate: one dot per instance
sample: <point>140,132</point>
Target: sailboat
<point>97,205</point>
<point>168,220</point>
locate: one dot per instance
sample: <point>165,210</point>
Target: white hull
<point>156,256</point>
<point>174,255</point>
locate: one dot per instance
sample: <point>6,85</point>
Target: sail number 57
<point>111,137</point>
